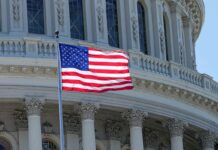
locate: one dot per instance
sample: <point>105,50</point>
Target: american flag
<point>86,69</point>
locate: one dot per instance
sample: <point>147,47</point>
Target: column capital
<point>72,123</point>
<point>20,117</point>
<point>208,139</point>
<point>113,129</point>
<point>176,127</point>
<point>151,138</point>
<point>33,105</point>
<point>173,6</point>
<point>135,117</point>
<point>88,110</point>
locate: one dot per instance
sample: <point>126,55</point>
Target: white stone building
<point>171,107</point>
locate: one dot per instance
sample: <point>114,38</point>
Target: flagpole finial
<point>57,34</point>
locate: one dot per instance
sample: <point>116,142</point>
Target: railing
<point>12,48</point>
<point>47,49</point>
<point>173,70</point>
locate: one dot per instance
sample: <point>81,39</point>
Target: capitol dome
<point>172,105</point>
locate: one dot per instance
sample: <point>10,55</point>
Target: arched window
<point>35,12</point>
<point>76,19</point>
<point>112,23</point>
<point>2,147</point>
<point>166,35</point>
<point>142,28</point>
<point>48,145</point>
<point>4,144</point>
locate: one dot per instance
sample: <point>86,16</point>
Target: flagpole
<point>60,94</point>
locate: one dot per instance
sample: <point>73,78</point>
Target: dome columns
<point>176,32</point>
<point>190,52</point>
<point>87,111</point>
<point>16,17</point>
<point>135,118</point>
<point>34,106</point>
<point>61,17</point>
<point>113,131</point>
<point>176,128</point>
<point>132,25</point>
<point>4,17</point>
<point>208,140</point>
<point>99,30</point>
<point>158,30</point>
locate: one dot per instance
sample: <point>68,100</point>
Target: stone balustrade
<point>47,49</point>
<point>28,48</point>
<point>37,48</point>
<point>12,47</point>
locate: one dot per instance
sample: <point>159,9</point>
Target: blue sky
<point>207,43</point>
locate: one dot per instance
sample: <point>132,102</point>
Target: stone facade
<point>171,107</point>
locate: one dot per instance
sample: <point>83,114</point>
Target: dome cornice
<point>168,87</point>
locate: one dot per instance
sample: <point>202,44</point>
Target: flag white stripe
<point>69,85</point>
<point>93,59</point>
<point>108,67</point>
<point>93,52</point>
<point>65,77</point>
<point>96,74</point>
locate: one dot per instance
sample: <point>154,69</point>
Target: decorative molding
<point>197,14</point>
<point>50,71</point>
<point>100,17</point>
<point>33,105</point>
<point>162,39</point>
<point>72,122</point>
<point>60,11</point>
<point>176,127</point>
<point>88,110</point>
<point>208,139</point>
<point>113,129</point>
<point>173,6</point>
<point>151,138</point>
<point>135,117</point>
<point>16,10</point>
<point>20,117</point>
<point>193,9</point>
<point>135,28</point>
<point>186,21</point>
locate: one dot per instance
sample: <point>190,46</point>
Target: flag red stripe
<point>107,56</point>
<point>107,51</point>
<point>94,84</point>
<point>109,71</point>
<point>108,63</point>
<point>97,91</point>
<point>93,77</point>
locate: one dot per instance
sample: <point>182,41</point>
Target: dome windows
<point>112,23</point>
<point>76,19</point>
<point>4,144</point>
<point>142,28</point>
<point>35,13</point>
